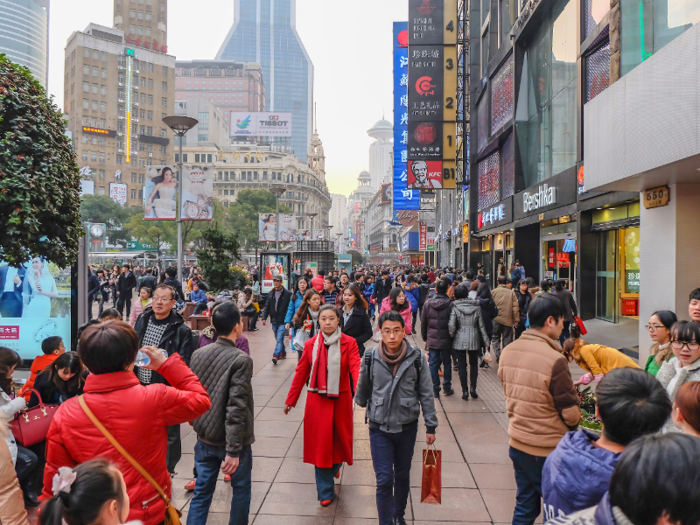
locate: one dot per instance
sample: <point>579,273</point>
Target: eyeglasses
<point>653,326</point>
<point>162,299</point>
<point>678,345</point>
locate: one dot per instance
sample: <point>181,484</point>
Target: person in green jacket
<point>659,327</point>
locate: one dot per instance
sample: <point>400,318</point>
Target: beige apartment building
<point>115,97</point>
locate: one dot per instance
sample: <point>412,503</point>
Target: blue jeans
<point>324,482</point>
<point>528,478</point>
<point>440,356</point>
<point>279,332</point>
<point>207,462</point>
<point>391,456</point>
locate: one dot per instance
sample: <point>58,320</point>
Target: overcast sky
<point>348,42</point>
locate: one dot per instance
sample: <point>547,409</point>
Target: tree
<point>243,216</point>
<point>356,257</point>
<point>155,233</point>
<point>216,258</point>
<point>39,177</point>
<point>103,209</point>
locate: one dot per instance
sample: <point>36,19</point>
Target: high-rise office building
<point>24,35</point>
<point>381,152</point>
<point>338,213</point>
<point>144,23</point>
<point>264,32</point>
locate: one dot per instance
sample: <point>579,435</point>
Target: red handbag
<point>579,323</point>
<point>31,426</point>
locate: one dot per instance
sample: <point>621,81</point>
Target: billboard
<point>36,304</point>
<point>87,187</point>
<point>118,192</point>
<point>197,193</point>
<point>403,198</point>
<point>160,193</point>
<point>423,240</point>
<point>385,197</point>
<point>424,174</point>
<point>261,124</point>
<point>267,228</point>
<point>274,264</point>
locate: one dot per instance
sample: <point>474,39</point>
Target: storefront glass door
<point>607,277</point>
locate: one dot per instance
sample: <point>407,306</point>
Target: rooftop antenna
<point>315,119</point>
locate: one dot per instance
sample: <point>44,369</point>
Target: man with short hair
<point>148,281</point>
<point>541,400</point>
<point>276,307</point>
<point>631,403</point>
<point>394,385</point>
<point>694,306</point>
<point>161,326</point>
<point>125,289</point>
<point>382,288</point>
<point>225,432</point>
<point>93,288</point>
<point>171,280</point>
<point>434,327</point>
<point>329,292</point>
<point>508,315</point>
<point>656,482</point>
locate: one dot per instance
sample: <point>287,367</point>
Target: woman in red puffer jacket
<point>137,416</point>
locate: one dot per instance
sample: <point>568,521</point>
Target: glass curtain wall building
<point>24,35</point>
<point>264,32</point>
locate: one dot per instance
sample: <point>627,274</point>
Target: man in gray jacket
<point>394,385</point>
<point>225,431</point>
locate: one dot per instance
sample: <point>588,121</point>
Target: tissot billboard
<point>261,124</point>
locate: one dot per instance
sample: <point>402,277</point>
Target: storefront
<point>492,246</point>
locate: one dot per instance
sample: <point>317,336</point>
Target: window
<point>102,157</point>
<point>225,192</point>
<point>164,150</point>
<point>140,14</point>
<point>140,194</point>
<point>150,115</point>
<point>184,157</point>
<point>163,133</point>
<point>226,204</point>
<point>134,177</point>
<point>95,88</point>
<point>150,67</point>
<point>103,107</point>
<point>221,192</point>
<point>143,130</point>
<point>203,116</point>
<point>86,69</point>
<point>102,190</point>
<point>104,57</point>
<point>86,52</point>
<point>148,15</point>
<point>204,125</point>
<point>209,158</point>
<point>164,102</point>
<point>165,70</point>
<point>143,81</point>
<point>95,71</point>
<point>133,194</point>
<point>93,156</point>
<point>94,105</point>
<point>85,155</point>
<point>103,90</point>
<point>164,86</point>
<point>86,139</point>
<point>203,137</point>
<point>86,87</point>
<point>196,157</point>
<point>150,98</point>
<point>150,83</point>
<point>132,13</point>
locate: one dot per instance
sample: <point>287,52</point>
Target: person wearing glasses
<point>659,328</point>
<point>685,342</point>
<point>596,360</point>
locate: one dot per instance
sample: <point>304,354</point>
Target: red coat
<point>328,422</point>
<point>137,416</point>
<point>317,283</point>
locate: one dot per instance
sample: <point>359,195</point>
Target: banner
<point>160,193</point>
<point>403,198</point>
<point>261,124</point>
<point>267,228</point>
<point>118,192</point>
<point>423,237</point>
<point>385,197</point>
<point>358,234</point>
<point>37,307</point>
<point>197,193</point>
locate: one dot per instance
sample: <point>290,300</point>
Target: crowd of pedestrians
<point>114,443</point>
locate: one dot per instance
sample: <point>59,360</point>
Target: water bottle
<point>142,358</point>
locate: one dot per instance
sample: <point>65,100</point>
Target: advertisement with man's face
<point>272,265</point>
<point>424,174</point>
<point>160,193</point>
<point>35,304</point>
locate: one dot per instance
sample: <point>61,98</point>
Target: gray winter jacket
<point>466,323</point>
<point>686,375</point>
<point>225,373</point>
<point>394,402</point>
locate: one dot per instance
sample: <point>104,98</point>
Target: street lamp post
<point>311,216</point>
<point>339,235</point>
<point>278,191</point>
<point>180,126</point>
<point>329,228</point>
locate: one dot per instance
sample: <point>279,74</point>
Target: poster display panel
<point>160,193</point>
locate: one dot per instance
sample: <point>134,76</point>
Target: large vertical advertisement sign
<point>267,228</point>
<point>423,243</point>
<point>358,234</point>
<point>35,304</point>
<point>197,193</point>
<point>117,192</point>
<point>160,193</point>
<point>274,264</point>
<point>403,197</point>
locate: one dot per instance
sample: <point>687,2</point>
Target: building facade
<point>381,153</point>
<point>380,236</point>
<point>264,32</point>
<point>211,130</point>
<point>115,97</point>
<point>230,85</point>
<point>144,23</point>
<point>338,215</point>
<point>24,35</point>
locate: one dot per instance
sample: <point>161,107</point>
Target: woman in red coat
<point>331,364</point>
<point>137,416</point>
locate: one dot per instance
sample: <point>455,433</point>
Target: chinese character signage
<point>423,237</point>
<point>496,215</point>
<point>358,234</point>
<point>197,193</point>
<point>117,192</point>
<point>426,82</point>
<point>404,198</point>
<point>432,22</point>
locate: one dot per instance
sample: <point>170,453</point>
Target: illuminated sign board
<point>98,131</point>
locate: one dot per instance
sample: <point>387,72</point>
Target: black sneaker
<point>483,364</point>
<point>399,521</point>
<point>473,393</point>
<point>448,391</point>
<point>30,498</point>
<point>465,396</point>
<point>274,360</point>
<point>436,395</point>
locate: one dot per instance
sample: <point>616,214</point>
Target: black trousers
<point>473,368</point>
<point>414,313</point>
<point>26,463</point>
<point>201,307</point>
<point>124,300</point>
<point>174,452</point>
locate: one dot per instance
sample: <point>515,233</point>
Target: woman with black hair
<point>659,329</point>
<point>355,319</point>
<point>165,188</point>
<point>489,311</point>
<point>61,380</point>
<point>524,298</point>
<point>567,299</point>
<point>398,302</point>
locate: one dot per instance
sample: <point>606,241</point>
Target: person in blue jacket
<point>199,296</point>
<point>412,291</point>
<point>631,403</point>
<point>368,293</point>
<point>295,302</point>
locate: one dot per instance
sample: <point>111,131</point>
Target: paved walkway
<point>477,475</point>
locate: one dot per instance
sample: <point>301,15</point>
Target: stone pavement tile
<point>360,502</point>
<point>188,443</point>
<point>487,453</point>
<point>456,505</point>
<point>256,410</point>
<point>461,522</point>
<point>265,390</point>
<point>261,401</point>
<point>296,450</point>
<point>268,519</point>
<point>261,380</point>
<point>277,414</point>
<point>360,431</point>
<point>480,431</point>
<point>296,499</point>
<point>454,475</point>
<point>183,470</point>
<point>468,418</point>
<point>455,404</point>
<point>266,469</point>
<point>359,414</point>
<point>185,430</point>
<point>493,476</point>
<point>444,432</point>
<point>270,447</point>
<point>450,451</point>
<point>222,497</point>
<point>360,521</point>
<point>294,470</point>
<point>361,449</point>
<point>500,504</point>
<point>361,472</point>
<point>278,401</point>
<point>285,429</point>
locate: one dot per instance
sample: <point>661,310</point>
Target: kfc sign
<point>424,174</point>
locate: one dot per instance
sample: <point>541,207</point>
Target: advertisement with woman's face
<point>160,193</point>
<point>277,264</point>
<point>267,228</point>
<point>35,303</point>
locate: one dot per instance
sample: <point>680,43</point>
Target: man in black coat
<point>148,281</point>
<point>93,286</point>
<point>276,308</point>
<point>382,288</point>
<point>125,289</point>
<point>434,327</point>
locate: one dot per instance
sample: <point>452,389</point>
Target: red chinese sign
<point>423,242</point>
<point>9,332</point>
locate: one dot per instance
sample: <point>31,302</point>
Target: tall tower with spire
<point>316,157</point>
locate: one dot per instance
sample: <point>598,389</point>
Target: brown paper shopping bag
<point>431,487</point>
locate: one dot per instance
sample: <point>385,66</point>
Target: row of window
<point>94,155</point>
<point>140,30</point>
<point>96,88</point>
<point>95,105</point>
<point>96,55</point>
<point>140,14</point>
<point>87,69</point>
<point>142,162</point>
<point>95,122</point>
<point>97,141</point>
<point>141,66</point>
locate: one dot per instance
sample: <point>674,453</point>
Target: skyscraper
<point>264,32</point>
<point>24,35</point>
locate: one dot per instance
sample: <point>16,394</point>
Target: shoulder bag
<point>31,426</point>
<point>172,513</point>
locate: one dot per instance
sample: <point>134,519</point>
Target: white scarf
<point>333,368</point>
